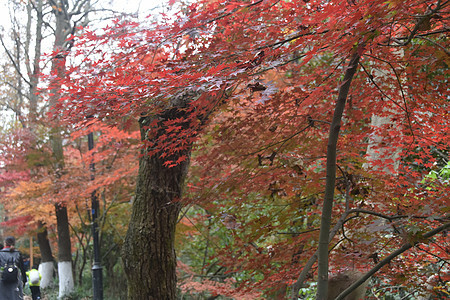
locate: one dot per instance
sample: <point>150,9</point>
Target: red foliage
<point>261,78</point>
<point>20,225</point>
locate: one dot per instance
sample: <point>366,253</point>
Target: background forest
<point>254,149</point>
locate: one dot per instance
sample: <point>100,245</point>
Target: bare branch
<point>378,87</point>
<point>434,43</point>
<point>77,9</point>
<point>14,63</point>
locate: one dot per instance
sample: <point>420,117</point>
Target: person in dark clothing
<point>26,263</point>
<point>12,290</point>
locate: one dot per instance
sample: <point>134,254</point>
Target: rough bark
<point>322,287</point>
<point>64,253</point>
<point>148,253</point>
<point>46,255</point>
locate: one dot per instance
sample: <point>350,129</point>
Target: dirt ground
<point>25,297</point>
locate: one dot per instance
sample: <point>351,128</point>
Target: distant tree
<point>25,54</point>
<point>207,72</point>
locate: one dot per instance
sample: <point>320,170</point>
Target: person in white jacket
<point>34,280</point>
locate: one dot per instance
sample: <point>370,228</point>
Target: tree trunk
<point>148,253</point>
<point>47,260</point>
<point>34,69</point>
<point>322,287</point>
<point>62,30</point>
<point>66,284</point>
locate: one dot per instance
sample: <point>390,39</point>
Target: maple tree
<point>208,69</point>
<point>249,89</point>
<point>30,202</point>
<point>26,63</point>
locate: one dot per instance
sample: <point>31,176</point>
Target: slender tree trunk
<point>34,68</point>
<point>322,287</point>
<point>62,30</point>
<point>46,265</point>
<point>148,253</point>
<point>65,272</point>
<point>66,283</point>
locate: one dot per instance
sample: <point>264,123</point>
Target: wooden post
<point>31,252</point>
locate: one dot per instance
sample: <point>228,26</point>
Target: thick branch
<point>386,260</point>
<point>388,217</point>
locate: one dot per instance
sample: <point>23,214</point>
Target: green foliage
<point>442,174</point>
<point>84,291</point>
<point>308,293</point>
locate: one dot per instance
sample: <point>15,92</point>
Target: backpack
<point>10,272</point>
<point>34,276</point>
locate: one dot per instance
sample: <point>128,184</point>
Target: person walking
<point>12,271</point>
<point>34,280</point>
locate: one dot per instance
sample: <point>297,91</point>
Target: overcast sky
<point>144,7</point>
